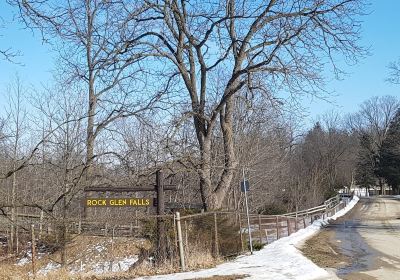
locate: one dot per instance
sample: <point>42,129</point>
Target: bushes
<point>149,231</point>
<point>273,209</point>
<point>257,246</point>
<point>201,230</point>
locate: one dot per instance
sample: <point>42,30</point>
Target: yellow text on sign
<point>117,202</point>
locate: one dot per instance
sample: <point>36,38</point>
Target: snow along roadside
<point>279,260</point>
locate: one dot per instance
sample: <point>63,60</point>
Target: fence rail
<point>328,204</point>
<point>264,229</point>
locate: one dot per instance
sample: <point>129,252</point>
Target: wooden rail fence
<point>184,230</point>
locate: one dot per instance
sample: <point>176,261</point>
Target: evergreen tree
<point>365,175</point>
<point>389,154</point>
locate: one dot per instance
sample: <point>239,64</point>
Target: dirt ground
<point>321,250</point>
<point>362,245</point>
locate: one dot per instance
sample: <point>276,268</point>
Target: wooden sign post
<point>161,236</point>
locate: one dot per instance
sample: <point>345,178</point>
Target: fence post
<point>216,235</point>
<point>241,234</point>
<point>17,239</point>
<point>41,224</point>
<point>277,227</point>
<point>110,267</point>
<point>180,241</point>
<point>259,228</point>
<point>175,235</point>
<point>288,225</point>
<point>79,226</point>
<point>296,225</point>
<point>304,222</point>
<point>33,249</point>
<point>186,234</point>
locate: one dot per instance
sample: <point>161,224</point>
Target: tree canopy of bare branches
<point>205,58</point>
<point>394,75</point>
<point>221,48</point>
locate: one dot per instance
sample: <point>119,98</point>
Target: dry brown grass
<point>83,248</point>
<point>200,256</point>
<point>321,250</point>
<point>9,271</point>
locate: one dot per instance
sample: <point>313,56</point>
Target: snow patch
<point>99,248</point>
<point>342,212</point>
<point>51,266</point>
<point>23,261</point>
<point>114,266</point>
<point>28,258</point>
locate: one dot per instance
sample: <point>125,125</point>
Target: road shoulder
<point>361,245</point>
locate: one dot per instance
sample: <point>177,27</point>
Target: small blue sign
<point>243,185</point>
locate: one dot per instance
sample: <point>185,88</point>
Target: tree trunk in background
<point>91,95</point>
<point>90,132</point>
<point>90,140</point>
<point>13,210</point>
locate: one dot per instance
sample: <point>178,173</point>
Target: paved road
<point>370,236</point>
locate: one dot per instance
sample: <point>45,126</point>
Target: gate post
<point>180,241</point>
<point>161,242</point>
<point>277,228</point>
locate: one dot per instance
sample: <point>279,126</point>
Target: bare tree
<point>262,46</point>
<point>95,41</point>
<point>16,126</point>
<point>374,118</point>
<point>394,75</point>
<point>7,53</point>
<point>373,121</point>
<point>64,110</point>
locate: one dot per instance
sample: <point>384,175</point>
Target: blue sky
<point>381,32</point>
<point>36,59</point>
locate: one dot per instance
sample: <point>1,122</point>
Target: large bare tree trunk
<point>213,197</point>
<point>230,162</point>
<point>205,172</point>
